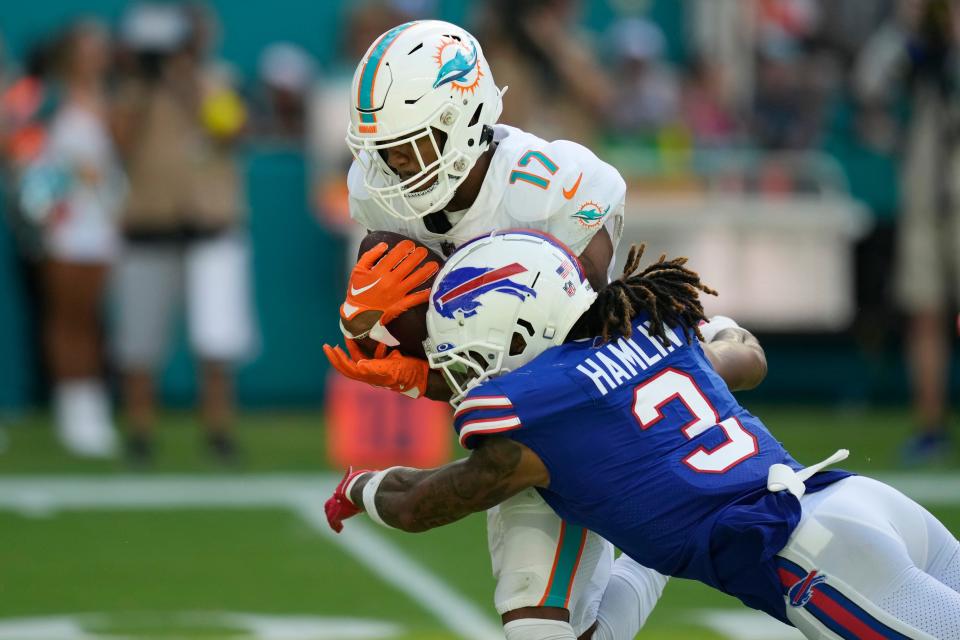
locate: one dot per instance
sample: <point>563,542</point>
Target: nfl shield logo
<point>570,288</point>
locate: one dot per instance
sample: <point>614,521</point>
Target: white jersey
<point>559,187</point>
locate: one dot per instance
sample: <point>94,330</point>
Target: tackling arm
<point>419,499</point>
<point>738,357</point>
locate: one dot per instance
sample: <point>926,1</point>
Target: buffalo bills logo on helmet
<point>802,591</point>
<point>460,290</point>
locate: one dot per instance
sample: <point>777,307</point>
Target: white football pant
<point>866,562</point>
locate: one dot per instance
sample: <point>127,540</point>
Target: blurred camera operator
<point>176,122</point>
<point>917,51</point>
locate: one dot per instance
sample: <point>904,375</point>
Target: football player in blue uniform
<point>616,407</point>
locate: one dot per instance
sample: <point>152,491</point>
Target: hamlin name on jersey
<point>618,361</point>
<point>559,187</point>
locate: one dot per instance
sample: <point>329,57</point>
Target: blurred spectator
<point>785,110</point>
<point>286,77</point>
<point>329,115</point>
<point>558,89</point>
<point>791,80</point>
<point>26,106</point>
<point>787,19</point>
<point>722,32</point>
<point>850,24</point>
<point>72,192</point>
<point>647,95</point>
<point>711,122</point>
<point>177,120</point>
<point>919,47</point>
<point>363,24</point>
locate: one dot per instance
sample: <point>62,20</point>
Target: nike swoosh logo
<point>568,194</point>
<point>356,292</point>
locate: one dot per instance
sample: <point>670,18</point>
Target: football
<point>410,327</point>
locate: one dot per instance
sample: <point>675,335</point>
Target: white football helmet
<point>500,301</point>
<point>423,80</point>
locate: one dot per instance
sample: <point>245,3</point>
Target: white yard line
<point>931,489</point>
<point>304,495</point>
<point>393,566</point>
<point>246,491</point>
<point>744,624</point>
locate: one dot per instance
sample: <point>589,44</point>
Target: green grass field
<point>189,550</point>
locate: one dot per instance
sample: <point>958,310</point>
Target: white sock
<point>629,599</point>
<point>82,413</point>
<point>538,629</point>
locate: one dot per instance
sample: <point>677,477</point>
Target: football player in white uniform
<point>432,164</point>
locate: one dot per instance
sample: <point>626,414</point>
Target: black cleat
<point>140,451</point>
<point>223,448</point>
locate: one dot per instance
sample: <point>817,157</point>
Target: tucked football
<point>410,327</point>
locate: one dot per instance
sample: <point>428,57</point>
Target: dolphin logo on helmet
<point>457,68</point>
<point>460,290</point>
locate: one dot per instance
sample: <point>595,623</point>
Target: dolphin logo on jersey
<point>456,69</point>
<point>590,214</point>
<point>802,591</point>
<point>460,290</point>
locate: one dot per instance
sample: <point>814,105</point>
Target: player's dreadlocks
<point>666,290</point>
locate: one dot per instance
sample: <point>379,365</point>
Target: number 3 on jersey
<point>671,384</point>
<point>532,178</point>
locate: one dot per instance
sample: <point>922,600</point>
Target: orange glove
<point>395,371</point>
<point>382,284</point>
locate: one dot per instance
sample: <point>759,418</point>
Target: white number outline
<point>672,384</point>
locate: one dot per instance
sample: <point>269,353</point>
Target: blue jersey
<point>646,446</point>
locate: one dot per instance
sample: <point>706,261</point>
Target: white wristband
<point>352,482</point>
<point>709,330</point>
<point>370,493</point>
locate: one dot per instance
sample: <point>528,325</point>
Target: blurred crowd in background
<point>121,149</point>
